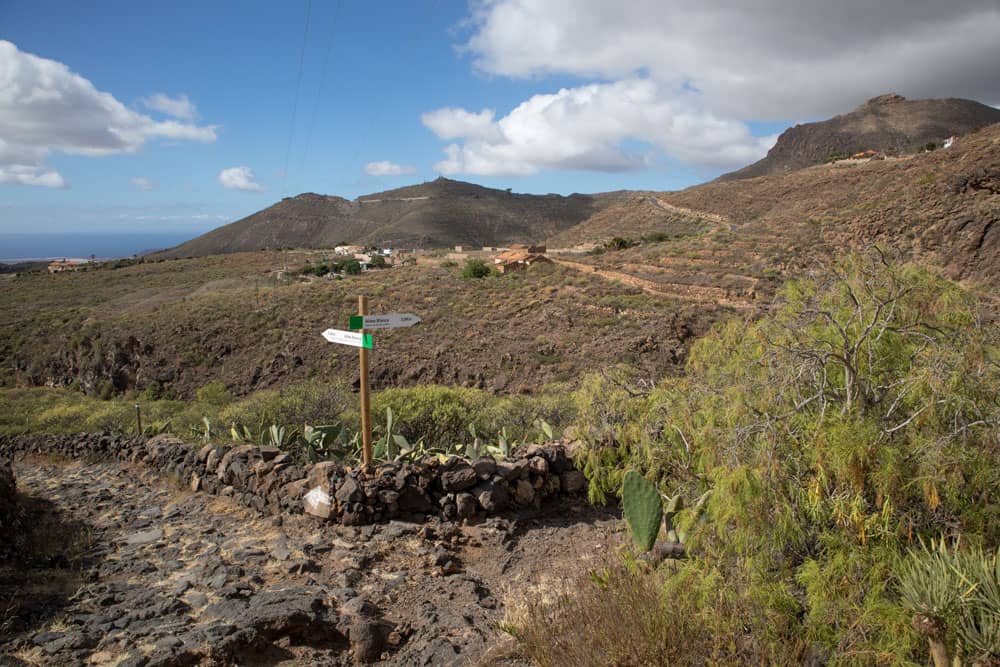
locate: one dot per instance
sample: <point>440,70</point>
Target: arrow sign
<point>394,321</point>
<point>348,338</point>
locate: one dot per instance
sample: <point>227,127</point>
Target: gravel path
<point>146,573</point>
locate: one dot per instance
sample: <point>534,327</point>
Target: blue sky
<point>606,102</point>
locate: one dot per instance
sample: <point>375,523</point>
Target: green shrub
<point>812,448</point>
<point>475,268</point>
<point>618,243</point>
<point>105,390</point>
<point>520,414</point>
<point>303,403</point>
<point>152,391</point>
<point>214,393</point>
<point>440,415</point>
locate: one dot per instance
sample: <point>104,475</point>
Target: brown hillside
<point>888,123</point>
<point>742,238</point>
<point>180,324</point>
<point>440,213</point>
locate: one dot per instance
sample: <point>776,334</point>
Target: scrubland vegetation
<point>815,449</point>
<point>812,454</point>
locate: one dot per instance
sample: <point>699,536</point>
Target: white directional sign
<point>392,321</point>
<point>348,338</point>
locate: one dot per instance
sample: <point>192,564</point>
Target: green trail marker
<point>351,338</point>
<point>391,321</point>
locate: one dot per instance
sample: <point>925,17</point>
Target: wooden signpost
<point>363,340</point>
<point>366,415</point>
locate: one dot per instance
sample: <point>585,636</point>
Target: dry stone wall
<point>270,481</point>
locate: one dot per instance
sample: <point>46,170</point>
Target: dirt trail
<point>699,293</point>
<point>704,215</point>
<point>181,578</point>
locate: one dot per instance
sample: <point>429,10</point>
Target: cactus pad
<point>643,509</point>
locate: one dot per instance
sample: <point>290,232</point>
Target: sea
<point>83,245</point>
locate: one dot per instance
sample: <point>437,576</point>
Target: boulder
<point>492,497</point>
<point>572,481</point>
<point>459,479</point>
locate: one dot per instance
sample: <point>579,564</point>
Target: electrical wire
<point>322,82</point>
<point>295,103</point>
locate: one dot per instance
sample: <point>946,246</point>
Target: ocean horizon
<point>81,245</point>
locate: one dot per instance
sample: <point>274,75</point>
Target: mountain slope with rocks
<point>889,124</point>
<point>736,241</point>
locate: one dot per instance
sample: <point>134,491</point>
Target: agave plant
<point>545,432</point>
<point>979,627</point>
<point>203,433</point>
<point>952,589</point>
<point>318,440</point>
<point>391,445</point>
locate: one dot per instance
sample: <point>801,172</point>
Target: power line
<point>295,103</point>
<point>322,81</point>
<point>408,58</point>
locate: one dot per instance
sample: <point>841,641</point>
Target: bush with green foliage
<point>475,268</point>
<point>618,243</point>
<point>302,403</point>
<point>860,415</point>
<point>214,393</point>
<point>439,415</point>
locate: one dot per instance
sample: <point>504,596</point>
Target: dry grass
<point>608,618</point>
<point>628,615</point>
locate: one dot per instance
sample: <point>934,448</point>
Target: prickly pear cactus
<point>643,509</point>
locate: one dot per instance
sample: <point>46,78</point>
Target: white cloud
<point>776,59</point>
<point>20,174</point>
<point>386,168</point>
<point>46,107</point>
<point>585,128</point>
<point>449,123</point>
<point>681,78</point>
<point>178,107</point>
<point>143,184</point>
<point>239,178</point>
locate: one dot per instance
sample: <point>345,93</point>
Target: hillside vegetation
<point>811,451</point>
<point>737,241</point>
<point>167,328</point>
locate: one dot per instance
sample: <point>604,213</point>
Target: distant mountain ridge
<point>889,123</point>
<point>439,213</point>
<point>444,213</point>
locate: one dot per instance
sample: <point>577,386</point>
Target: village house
<point>60,265</point>
<point>518,260</point>
<point>531,248</point>
<point>348,250</point>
